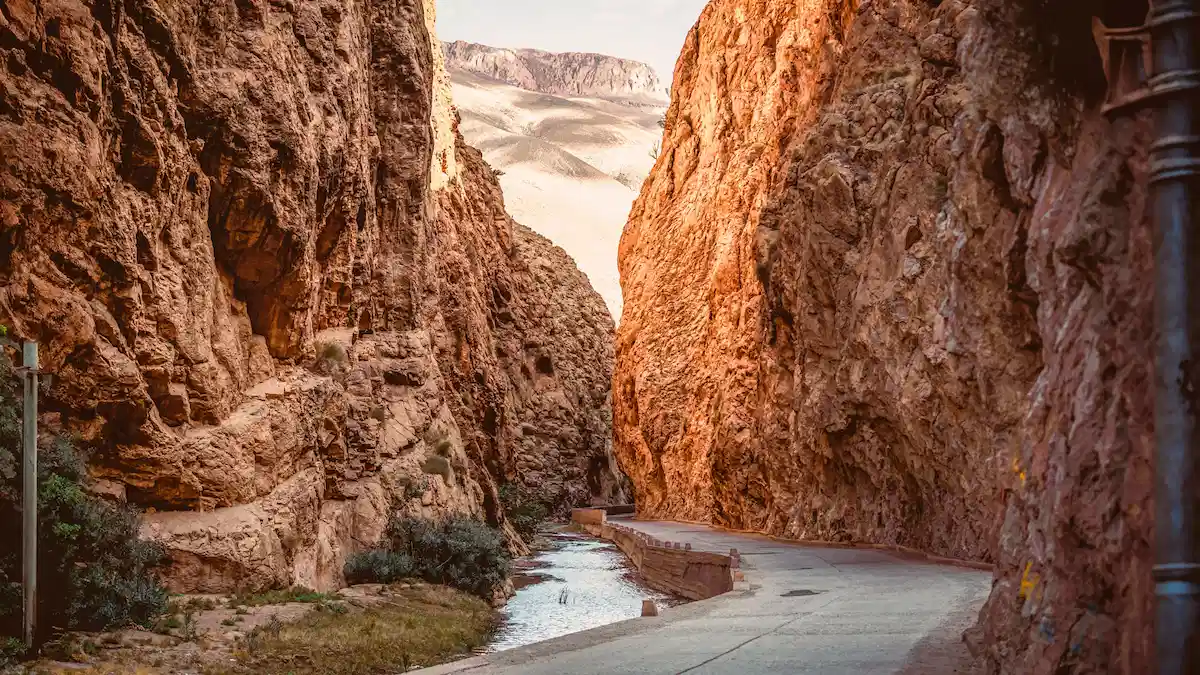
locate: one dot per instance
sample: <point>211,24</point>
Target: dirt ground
<point>357,629</point>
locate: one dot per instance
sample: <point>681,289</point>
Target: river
<point>579,583</point>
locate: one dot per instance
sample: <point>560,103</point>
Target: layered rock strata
<point>890,282</point>
<point>279,296</point>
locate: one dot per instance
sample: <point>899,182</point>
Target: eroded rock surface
<point>564,74</point>
<point>528,344</point>
<point>278,293</point>
<point>890,282</point>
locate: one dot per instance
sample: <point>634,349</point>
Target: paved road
<point>805,610</point>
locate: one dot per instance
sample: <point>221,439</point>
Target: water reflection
<point>582,583</point>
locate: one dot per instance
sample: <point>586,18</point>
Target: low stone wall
<point>588,516</point>
<point>671,567</point>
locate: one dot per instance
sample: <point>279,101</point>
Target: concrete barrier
<point>588,516</point>
<point>666,566</point>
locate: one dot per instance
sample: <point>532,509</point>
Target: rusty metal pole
<point>1174,28</point>
<point>29,505</point>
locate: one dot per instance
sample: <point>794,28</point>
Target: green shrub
<point>439,441</point>
<point>331,358</point>
<point>414,488</point>
<point>301,594</point>
<point>436,465</point>
<point>378,566</point>
<point>331,351</point>
<point>11,650</point>
<point>94,570</point>
<point>524,510</point>
<point>193,604</point>
<point>459,552</point>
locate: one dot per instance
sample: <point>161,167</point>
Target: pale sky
<point>651,31</point>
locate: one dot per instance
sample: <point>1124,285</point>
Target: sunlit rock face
<point>889,281</point>
<point>280,296</point>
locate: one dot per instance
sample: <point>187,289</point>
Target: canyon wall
<point>562,74</point>
<point>890,282</point>
<point>279,296</point>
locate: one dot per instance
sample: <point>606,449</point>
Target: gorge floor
<point>808,609</point>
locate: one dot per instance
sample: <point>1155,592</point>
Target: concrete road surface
<point>804,609</point>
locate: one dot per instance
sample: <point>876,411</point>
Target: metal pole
<point>1175,191</point>
<point>29,496</point>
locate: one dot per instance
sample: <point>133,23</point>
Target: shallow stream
<point>580,583</point>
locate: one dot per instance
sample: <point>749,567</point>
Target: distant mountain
<point>570,167</point>
<point>561,74</point>
<point>572,143</point>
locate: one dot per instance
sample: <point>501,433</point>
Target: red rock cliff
<point>279,295</point>
<point>890,282</point>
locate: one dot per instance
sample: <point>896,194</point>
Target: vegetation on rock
<point>331,358</point>
<point>524,510</point>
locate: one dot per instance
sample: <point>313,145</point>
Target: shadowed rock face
<point>889,281</point>
<point>279,295</point>
<point>533,344</point>
<point>563,74</point>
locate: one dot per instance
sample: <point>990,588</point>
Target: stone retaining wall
<point>671,567</point>
<point>588,516</point>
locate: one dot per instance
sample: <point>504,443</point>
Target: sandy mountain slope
<point>562,73</point>
<point>571,167</point>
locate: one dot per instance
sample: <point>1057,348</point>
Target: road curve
<point>805,609</point>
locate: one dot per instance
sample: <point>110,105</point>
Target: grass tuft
<point>280,597</point>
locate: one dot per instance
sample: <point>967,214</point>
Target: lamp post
<point>28,372</point>
<point>29,500</point>
<point>1157,66</point>
<point>1174,29</point>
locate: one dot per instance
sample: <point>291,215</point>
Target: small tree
<point>459,552</point>
<point>523,509</point>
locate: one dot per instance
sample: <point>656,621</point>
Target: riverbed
<point>577,584</point>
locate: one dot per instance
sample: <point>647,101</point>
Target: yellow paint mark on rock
<point>1028,582</point>
<point>1016,467</point>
